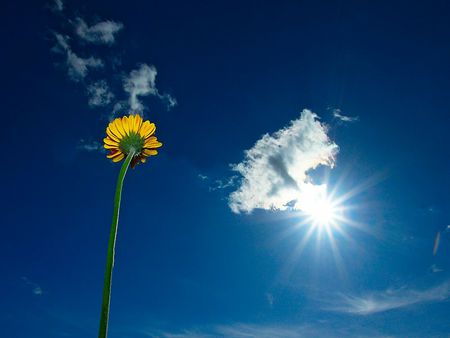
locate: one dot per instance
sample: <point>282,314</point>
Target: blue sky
<point>260,105</point>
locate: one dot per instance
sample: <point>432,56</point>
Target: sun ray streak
<point>289,265</point>
<point>326,221</point>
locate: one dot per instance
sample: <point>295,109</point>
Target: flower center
<point>131,142</point>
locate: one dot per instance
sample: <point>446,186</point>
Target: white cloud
<point>140,82</point>
<point>119,108</point>
<point>434,268</point>
<point>239,330</point>
<point>59,5</point>
<point>275,171</point>
<point>390,299</point>
<point>101,33</point>
<point>246,331</point>
<point>77,67</point>
<point>90,146</point>
<point>56,6</point>
<point>270,299</point>
<point>224,184</point>
<point>35,288</point>
<point>169,100</point>
<point>99,94</point>
<point>62,43</point>
<point>243,330</point>
<point>337,113</point>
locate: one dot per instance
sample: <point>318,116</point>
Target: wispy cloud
<point>142,82</point>
<point>169,100</point>
<point>224,184</point>
<point>270,299</point>
<point>35,288</point>
<point>90,146</point>
<point>77,67</point>
<point>103,32</point>
<point>99,94</point>
<point>337,113</point>
<point>435,269</point>
<point>62,43</point>
<point>219,183</point>
<point>243,330</point>
<point>139,83</point>
<point>239,331</point>
<point>57,6</point>
<point>390,299</point>
<point>275,170</point>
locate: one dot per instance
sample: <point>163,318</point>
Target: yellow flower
<point>131,134</point>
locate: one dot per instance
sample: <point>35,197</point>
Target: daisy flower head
<point>131,134</point>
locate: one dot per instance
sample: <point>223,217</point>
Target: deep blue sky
<point>185,264</point>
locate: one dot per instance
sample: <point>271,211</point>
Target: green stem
<point>111,248</point>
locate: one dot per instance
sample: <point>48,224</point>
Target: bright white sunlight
<point>319,208</point>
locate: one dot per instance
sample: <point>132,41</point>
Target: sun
<point>322,217</point>
<point>319,208</point>
<point>323,212</point>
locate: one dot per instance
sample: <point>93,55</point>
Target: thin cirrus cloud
<point>142,82</point>
<point>247,330</point>
<point>103,32</point>
<point>223,184</point>
<point>99,94</point>
<point>239,330</point>
<point>90,146</point>
<point>390,299</point>
<point>77,67</point>
<point>57,6</point>
<point>137,84</point>
<point>337,113</point>
<point>275,170</point>
<point>35,288</point>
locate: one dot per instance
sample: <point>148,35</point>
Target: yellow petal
<point>118,131</point>
<point>118,158</point>
<point>110,141</point>
<point>150,139</point>
<point>144,128</point>
<point>149,152</point>
<point>125,125</point>
<point>111,129</point>
<point>137,122</point>
<point>143,159</point>
<point>119,125</point>
<point>131,124</point>
<point>147,129</point>
<point>152,145</point>
<point>107,146</point>
<point>152,142</point>
<point>119,152</point>
<point>111,134</point>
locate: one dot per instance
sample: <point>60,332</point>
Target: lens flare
<point>319,208</point>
